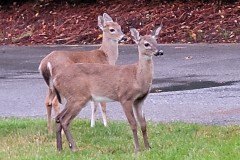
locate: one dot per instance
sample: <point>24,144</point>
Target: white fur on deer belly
<point>101,99</point>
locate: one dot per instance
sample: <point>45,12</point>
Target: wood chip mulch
<point>51,23</point>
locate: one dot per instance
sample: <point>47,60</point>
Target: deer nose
<point>159,53</point>
<point>124,39</point>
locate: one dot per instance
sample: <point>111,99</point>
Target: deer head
<point>111,30</point>
<point>147,44</point>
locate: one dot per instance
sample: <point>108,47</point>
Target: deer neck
<point>110,48</point>
<point>145,71</point>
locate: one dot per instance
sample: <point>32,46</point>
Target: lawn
<point>28,139</point>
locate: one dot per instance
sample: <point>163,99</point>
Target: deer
<point>128,84</point>
<point>106,54</point>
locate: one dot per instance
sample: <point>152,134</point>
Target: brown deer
<point>127,84</point>
<point>106,54</point>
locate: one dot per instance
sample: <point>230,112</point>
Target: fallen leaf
<point>158,90</point>
<point>193,35</point>
<point>99,36</point>
<point>188,57</point>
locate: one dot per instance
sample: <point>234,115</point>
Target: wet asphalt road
<point>192,83</point>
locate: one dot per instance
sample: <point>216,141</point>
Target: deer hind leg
<point>58,132</point>
<point>48,105</point>
<point>55,106</point>
<point>104,113</point>
<point>137,108</point>
<point>128,109</point>
<point>63,120</point>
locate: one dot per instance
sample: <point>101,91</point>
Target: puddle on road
<point>180,85</point>
<point>3,77</point>
<point>191,86</point>
<point>21,75</point>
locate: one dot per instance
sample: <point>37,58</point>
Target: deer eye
<point>146,44</point>
<point>112,30</point>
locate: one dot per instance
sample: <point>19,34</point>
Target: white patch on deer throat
<point>101,98</point>
<point>147,57</point>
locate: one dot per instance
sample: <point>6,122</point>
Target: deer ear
<point>156,31</point>
<point>135,35</point>
<point>100,22</point>
<point>107,18</point>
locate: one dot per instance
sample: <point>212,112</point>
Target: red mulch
<point>49,23</point>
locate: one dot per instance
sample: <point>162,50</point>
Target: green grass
<point>22,139</point>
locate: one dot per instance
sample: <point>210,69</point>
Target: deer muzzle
<point>123,39</point>
<point>159,53</point>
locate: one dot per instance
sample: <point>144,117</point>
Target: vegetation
<point>28,139</point>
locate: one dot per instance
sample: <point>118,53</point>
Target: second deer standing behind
<point>128,84</point>
<point>106,54</point>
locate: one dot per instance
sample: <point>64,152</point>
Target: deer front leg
<point>127,106</point>
<point>94,106</point>
<point>93,116</point>
<point>141,119</point>
<point>104,113</point>
<point>144,132</point>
